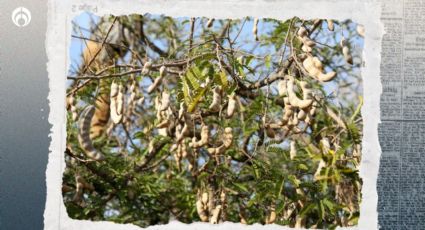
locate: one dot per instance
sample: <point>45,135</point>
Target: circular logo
<point>21,16</point>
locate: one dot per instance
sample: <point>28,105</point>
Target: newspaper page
<point>401,201</point>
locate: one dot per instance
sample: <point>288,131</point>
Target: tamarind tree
<point>195,119</point>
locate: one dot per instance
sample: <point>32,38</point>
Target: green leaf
<point>267,61</point>
<point>196,100</point>
<point>186,92</point>
<point>223,80</point>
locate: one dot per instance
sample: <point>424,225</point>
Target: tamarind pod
<point>228,137</point>
<point>326,146</point>
<point>215,105</point>
<point>163,124</point>
<point>281,86</point>
<point>151,146</point>
<point>314,68</point>
<point>302,31</point>
<point>306,49</point>
<point>114,89</point>
<point>272,217</point>
<point>146,68</point>
<point>321,165</point>
<point>308,119</point>
<point>155,84</point>
<point>74,113</point>
<point>158,80</point>
<point>120,100</point>
<point>310,66</point>
<point>326,77</point>
<point>293,150</point>
<point>163,132</point>
<point>204,138</point>
<point>183,133</point>
<point>301,115</point>
<point>215,215</point>
<point>88,186</point>
<point>140,102</point>
<point>308,42</point>
<point>173,147</point>
<point>116,101</point>
<point>231,106</point>
<point>330,25</point>
<point>360,30</point>
<point>255,29</point>
<point>79,186</point>
<point>201,211</point>
<point>205,198</point>
<point>212,151</point>
<point>223,196</point>
<point>210,22</point>
<point>165,101</point>
<point>84,134</point>
<point>66,188</point>
<point>181,110</point>
<point>294,100</point>
<point>270,132</point>
<point>317,63</point>
<point>295,120</point>
<point>183,150</point>
<point>347,56</point>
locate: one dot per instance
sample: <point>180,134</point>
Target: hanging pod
<point>84,134</point>
<point>117,101</point>
<point>231,105</point>
<point>216,103</point>
<point>315,68</point>
<point>255,29</point>
<point>157,80</point>
<point>293,98</point>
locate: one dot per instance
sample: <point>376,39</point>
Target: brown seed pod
<point>293,150</point>
<point>157,80</point>
<point>331,26</point>
<point>346,51</point>
<point>360,30</point>
<point>255,29</point>
<point>216,103</point>
<point>204,138</point>
<point>117,100</point>
<point>315,68</point>
<point>270,132</point>
<point>146,68</point>
<point>215,215</point>
<point>231,106</point>
<point>72,107</point>
<point>289,110</point>
<point>203,214</point>
<point>228,137</point>
<point>165,100</point>
<point>321,165</point>
<point>79,187</point>
<point>181,110</point>
<point>84,134</point>
<point>293,98</point>
<point>301,115</point>
<point>302,31</point>
<point>282,88</point>
<point>271,218</point>
<point>210,22</point>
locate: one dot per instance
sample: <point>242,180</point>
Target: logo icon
<point>21,17</point>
